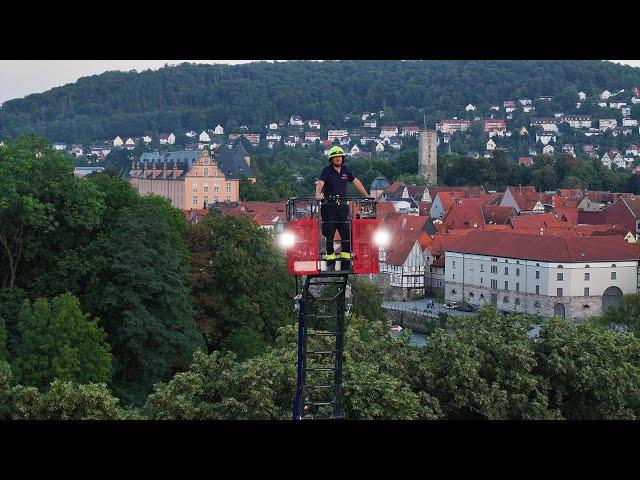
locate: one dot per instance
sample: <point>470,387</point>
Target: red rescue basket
<point>304,242</point>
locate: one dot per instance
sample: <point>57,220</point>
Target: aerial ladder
<point>325,298</point>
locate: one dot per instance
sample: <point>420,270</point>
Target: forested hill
<point>192,96</point>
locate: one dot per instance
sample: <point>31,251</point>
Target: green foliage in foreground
<point>58,341</point>
<point>484,367</point>
<point>62,401</point>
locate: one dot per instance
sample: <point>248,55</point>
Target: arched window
<point>471,294</point>
<point>586,266</point>
<point>505,299</point>
<point>613,265</point>
<point>585,307</point>
<point>559,266</point>
<point>517,301</point>
<point>453,292</point>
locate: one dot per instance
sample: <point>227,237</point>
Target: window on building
<point>537,289</point>
<point>194,187</point>
<point>506,270</point>
<point>613,275</point>
<point>482,267</point>
<point>195,200</point>
<point>517,272</point>
<point>559,292</point>
<point>494,269</point>
<point>586,291</point>
<point>517,302</point>
<point>559,276</point>
<point>586,276</point>
<point>494,283</point>
<point>454,276</point>
<point>506,285</point>
<point>517,286</point>
<point>216,188</point>
<point>206,187</point>
<point>206,171</point>
<point>454,263</point>
<point>480,279</point>
<point>537,273</point>
<point>228,187</point>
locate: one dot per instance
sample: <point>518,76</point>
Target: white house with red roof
<point>573,277</point>
<point>388,131</point>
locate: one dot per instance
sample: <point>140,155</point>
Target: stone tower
<point>428,156</point>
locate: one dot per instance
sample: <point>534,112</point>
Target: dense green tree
<point>483,366</point>
<point>625,316</point>
<point>140,291</point>
<point>63,400</point>
<point>42,208</point>
<point>367,301</point>
<point>240,280</point>
<point>592,373</point>
<point>58,341</point>
<point>263,387</point>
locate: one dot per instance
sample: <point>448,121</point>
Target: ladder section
<point>321,347</point>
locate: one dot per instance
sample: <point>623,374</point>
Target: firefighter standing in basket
<point>332,188</point>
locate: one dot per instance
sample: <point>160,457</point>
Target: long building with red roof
<point>574,276</point>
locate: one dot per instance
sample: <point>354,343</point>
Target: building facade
<point>575,277</point>
<point>191,180</point>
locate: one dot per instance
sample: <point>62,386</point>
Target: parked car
<point>465,308</point>
<point>451,305</point>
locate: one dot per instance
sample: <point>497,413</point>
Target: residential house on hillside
<point>470,108</point>
<point>296,120</point>
<point>607,124</point>
<point>409,131</point>
<point>371,123</point>
<point>548,150</point>
<point>167,138</point>
<point>218,130</point>
<point>612,157</point>
<point>451,126</point>
<point>118,142</point>
<point>578,121</point>
<point>204,137</point>
<point>314,124</point>
<point>495,127</point>
<point>388,131</point>
<point>526,161</point>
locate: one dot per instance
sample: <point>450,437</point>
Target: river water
<point>417,339</point>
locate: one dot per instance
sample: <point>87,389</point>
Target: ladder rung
<point>324,352</point>
<point>321,404</point>
<point>312,315</point>
<point>320,369</point>
<point>322,333</point>
<point>318,386</point>
<point>321,417</point>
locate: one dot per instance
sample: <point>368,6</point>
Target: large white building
<point>574,277</point>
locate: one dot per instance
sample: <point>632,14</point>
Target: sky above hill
<point>19,78</point>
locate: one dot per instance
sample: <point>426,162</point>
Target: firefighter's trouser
<point>336,217</point>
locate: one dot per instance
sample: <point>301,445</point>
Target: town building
<point>191,180</point>
<point>451,126</point>
<point>335,134</point>
<point>571,277</point>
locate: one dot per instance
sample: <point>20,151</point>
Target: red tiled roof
<point>545,248</point>
<point>464,216</point>
<point>495,214</point>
